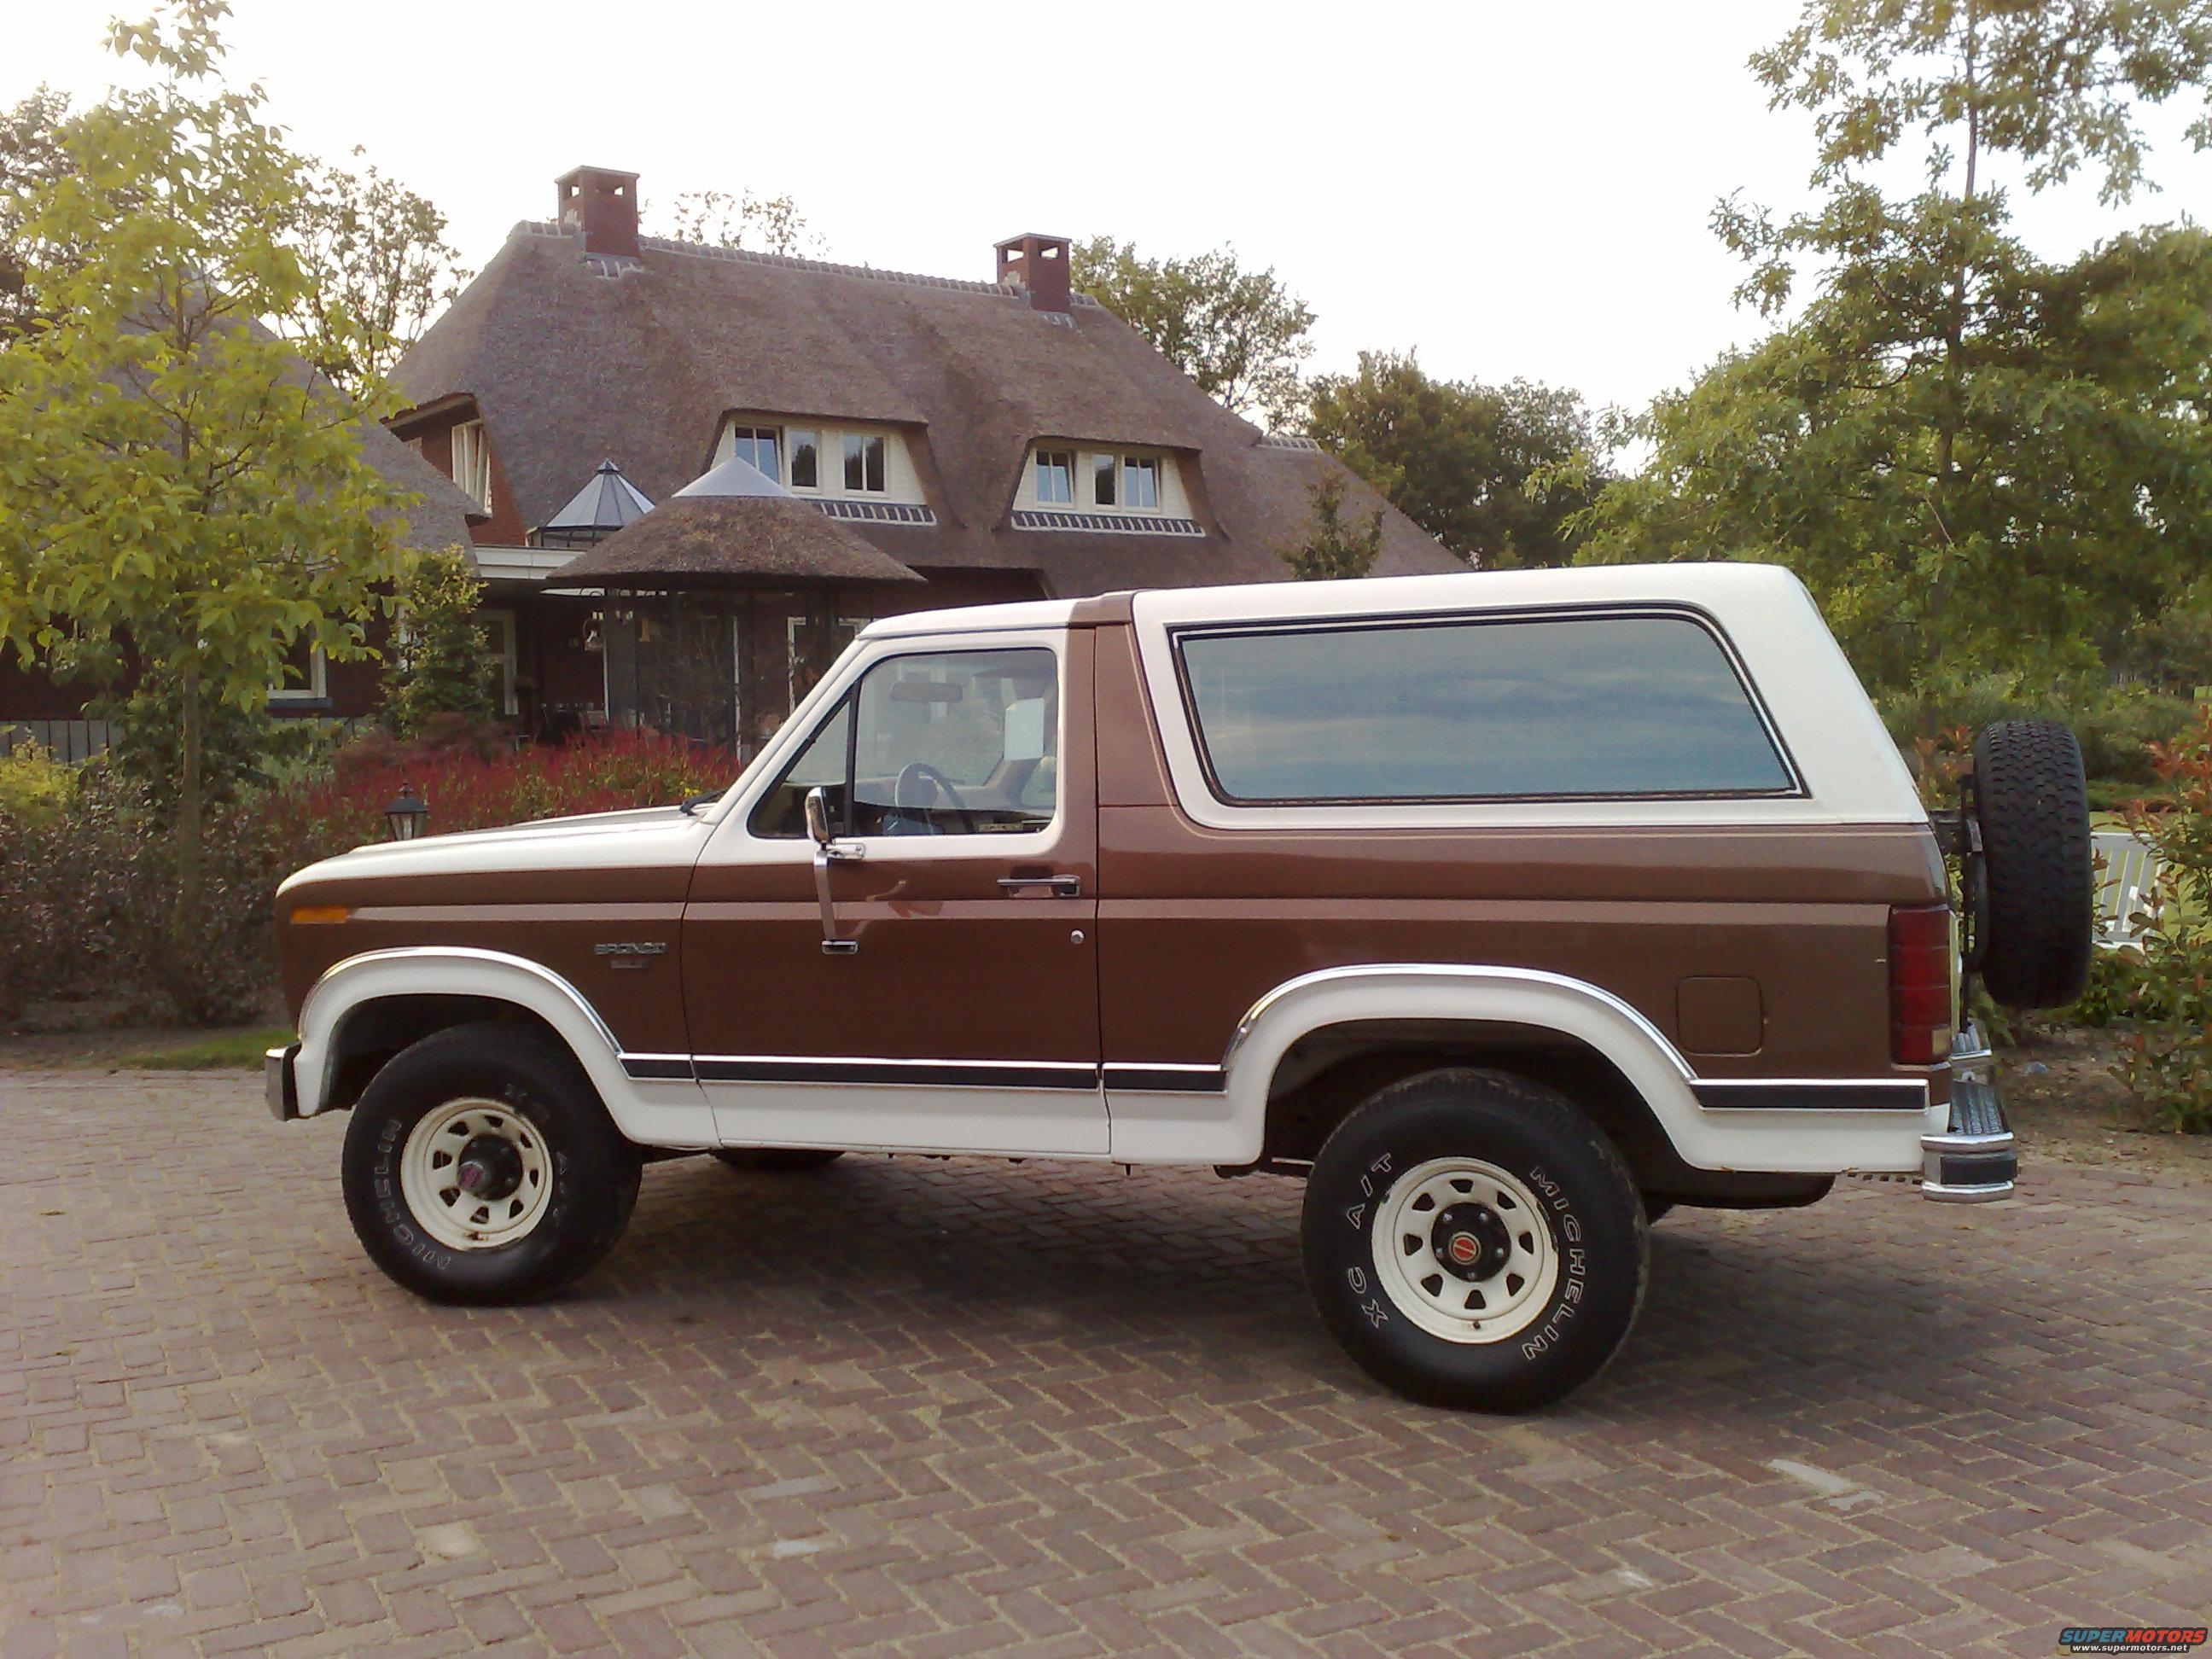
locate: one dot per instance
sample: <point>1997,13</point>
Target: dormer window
<point>851,471</point>
<point>1069,485</point>
<point>757,444</point>
<point>864,463</point>
<point>1140,483</point>
<point>1055,474</point>
<point>472,462</point>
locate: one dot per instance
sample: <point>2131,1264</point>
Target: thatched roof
<point>570,359</point>
<point>732,528</point>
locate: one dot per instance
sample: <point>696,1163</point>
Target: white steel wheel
<point>476,1174</point>
<point>1463,1249</point>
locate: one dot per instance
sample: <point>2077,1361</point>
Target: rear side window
<point>1511,709</point>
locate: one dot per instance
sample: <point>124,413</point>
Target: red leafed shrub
<point>466,789</point>
<point>84,887</point>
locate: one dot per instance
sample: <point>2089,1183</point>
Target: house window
<point>472,462</point>
<point>1103,470</point>
<point>757,444</point>
<point>1055,475</point>
<point>806,460</point>
<point>499,638</point>
<point>303,679</point>
<point>864,463</point>
<point>1140,483</point>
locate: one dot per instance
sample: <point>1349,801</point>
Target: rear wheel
<point>1474,1241</point>
<point>481,1167</point>
<point>777,1160</point>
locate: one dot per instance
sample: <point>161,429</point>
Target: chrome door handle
<point>1054,886</point>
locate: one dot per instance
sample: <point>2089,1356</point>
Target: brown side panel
<point>553,917</point>
<point>1196,924</point>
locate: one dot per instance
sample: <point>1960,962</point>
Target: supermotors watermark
<point>2129,1638</point>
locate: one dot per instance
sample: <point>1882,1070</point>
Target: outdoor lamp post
<point>407,814</point>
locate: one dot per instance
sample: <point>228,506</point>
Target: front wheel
<point>481,1168</point>
<point>1474,1241</point>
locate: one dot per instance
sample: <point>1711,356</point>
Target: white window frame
<point>473,479</point>
<point>1136,465</point>
<point>498,625</point>
<point>846,457</point>
<point>753,431</point>
<point>1042,459</point>
<point>318,688</point>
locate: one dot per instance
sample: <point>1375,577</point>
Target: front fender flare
<point>653,1114</point>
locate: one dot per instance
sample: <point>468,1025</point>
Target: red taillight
<point>1920,965</point>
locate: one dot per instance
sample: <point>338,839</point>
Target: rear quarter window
<point>1551,707</point>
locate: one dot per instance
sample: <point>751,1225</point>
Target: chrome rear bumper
<point>1974,1160</point>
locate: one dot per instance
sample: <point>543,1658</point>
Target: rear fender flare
<point>1445,992</point>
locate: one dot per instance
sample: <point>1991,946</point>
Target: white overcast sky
<point>1515,190</point>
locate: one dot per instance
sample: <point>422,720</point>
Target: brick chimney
<point>1038,264</point>
<point>603,203</point>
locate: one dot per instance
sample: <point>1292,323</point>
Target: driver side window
<point>956,742</point>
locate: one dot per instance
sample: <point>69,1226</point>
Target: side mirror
<point>817,816</point>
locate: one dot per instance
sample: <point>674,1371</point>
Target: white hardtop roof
<point>1704,584</point>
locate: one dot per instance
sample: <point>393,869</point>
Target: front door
<point>945,997</point>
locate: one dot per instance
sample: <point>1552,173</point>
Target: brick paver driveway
<point>947,1408</point>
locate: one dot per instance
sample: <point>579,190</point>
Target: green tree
<point>715,218</point>
<point>1240,334</point>
<point>1335,546</point>
<point>371,248</point>
<point>177,490</point>
<point>378,266</point>
<point>1980,461</point>
<point>1457,457</point>
<point>444,665</point>
<point>31,158</point>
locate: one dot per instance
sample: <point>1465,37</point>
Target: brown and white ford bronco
<point>1509,910</point>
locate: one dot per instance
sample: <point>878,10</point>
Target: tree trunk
<point>185,919</point>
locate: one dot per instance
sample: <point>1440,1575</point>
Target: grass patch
<point>224,1051</point>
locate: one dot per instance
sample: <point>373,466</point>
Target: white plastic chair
<point>2127,874</point>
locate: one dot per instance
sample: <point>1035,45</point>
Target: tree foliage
<point>1458,457</point>
<point>31,158</point>
<point>1240,334</point>
<point>374,254</point>
<point>444,666</point>
<point>370,248</point>
<point>178,493</point>
<point>1335,546</point>
<point>715,218</point>
<point>1982,462</point>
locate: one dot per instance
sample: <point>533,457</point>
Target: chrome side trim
<point>1136,1076</point>
<point>1811,1094</point>
<point>466,953</point>
<point>835,1069</point>
<point>1596,993</point>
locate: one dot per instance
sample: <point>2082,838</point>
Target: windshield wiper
<point>691,804</point>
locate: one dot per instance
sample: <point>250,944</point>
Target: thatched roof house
<point>1004,438</point>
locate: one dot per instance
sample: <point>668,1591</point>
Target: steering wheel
<point>915,773</point>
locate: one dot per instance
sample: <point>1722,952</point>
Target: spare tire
<point>2034,912</point>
